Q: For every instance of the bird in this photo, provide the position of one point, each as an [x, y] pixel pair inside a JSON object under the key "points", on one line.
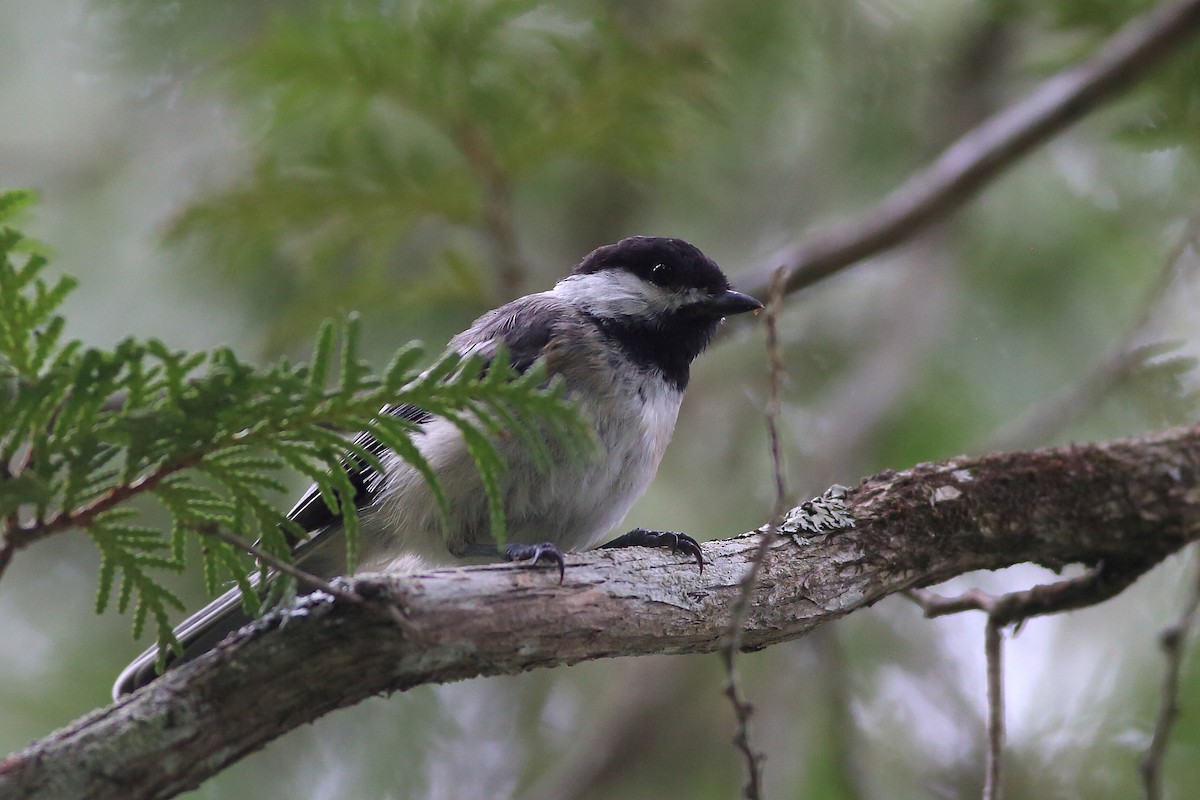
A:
{"points": [[620, 331]]}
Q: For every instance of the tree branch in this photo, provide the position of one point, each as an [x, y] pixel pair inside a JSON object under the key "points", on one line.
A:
{"points": [[976, 158], [1127, 504]]}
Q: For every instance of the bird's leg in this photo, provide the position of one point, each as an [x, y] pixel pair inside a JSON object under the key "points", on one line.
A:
{"points": [[678, 542], [536, 554], [514, 551]]}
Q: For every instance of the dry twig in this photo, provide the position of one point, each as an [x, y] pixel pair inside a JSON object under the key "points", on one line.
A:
{"points": [[306, 580], [993, 649], [1173, 641], [1014, 608], [733, 638]]}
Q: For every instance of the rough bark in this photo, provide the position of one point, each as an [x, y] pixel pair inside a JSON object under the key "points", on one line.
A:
{"points": [[1125, 505]]}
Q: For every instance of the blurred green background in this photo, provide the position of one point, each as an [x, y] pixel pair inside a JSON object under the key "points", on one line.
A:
{"points": [[234, 171]]}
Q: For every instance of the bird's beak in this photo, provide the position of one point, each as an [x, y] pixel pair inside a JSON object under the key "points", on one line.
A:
{"points": [[732, 302]]}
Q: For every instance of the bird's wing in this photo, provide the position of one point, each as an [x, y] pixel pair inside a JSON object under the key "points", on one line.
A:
{"points": [[523, 343], [312, 514], [202, 630]]}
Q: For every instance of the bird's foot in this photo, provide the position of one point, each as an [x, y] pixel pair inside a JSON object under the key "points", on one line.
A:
{"points": [[678, 542], [536, 554]]}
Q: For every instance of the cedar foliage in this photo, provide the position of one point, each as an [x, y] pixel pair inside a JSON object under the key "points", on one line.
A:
{"points": [[86, 433]]}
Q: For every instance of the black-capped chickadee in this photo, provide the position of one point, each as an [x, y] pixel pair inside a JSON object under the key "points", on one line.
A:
{"points": [[621, 331]]}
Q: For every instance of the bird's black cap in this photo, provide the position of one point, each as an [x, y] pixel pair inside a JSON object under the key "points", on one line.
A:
{"points": [[672, 263]]}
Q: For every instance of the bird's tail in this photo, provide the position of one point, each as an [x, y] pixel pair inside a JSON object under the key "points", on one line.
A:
{"points": [[197, 634]]}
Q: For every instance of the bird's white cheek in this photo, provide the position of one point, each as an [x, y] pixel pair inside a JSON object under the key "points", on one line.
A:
{"points": [[608, 293]]}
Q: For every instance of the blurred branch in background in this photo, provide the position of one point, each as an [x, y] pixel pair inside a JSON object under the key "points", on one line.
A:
{"points": [[831, 680], [924, 276], [621, 735], [1126, 504], [971, 162], [1137, 351], [496, 213], [844, 419]]}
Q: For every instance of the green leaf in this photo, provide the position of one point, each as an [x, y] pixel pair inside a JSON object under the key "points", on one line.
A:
{"points": [[395, 435], [14, 201], [322, 356], [399, 371], [490, 467], [87, 432]]}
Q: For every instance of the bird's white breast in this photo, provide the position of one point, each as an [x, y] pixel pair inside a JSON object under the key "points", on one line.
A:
{"points": [[635, 442], [576, 502]]}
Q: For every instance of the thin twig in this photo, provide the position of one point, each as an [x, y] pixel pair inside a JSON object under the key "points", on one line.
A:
{"points": [[936, 605], [305, 579], [1093, 586], [12, 537], [1173, 641], [1013, 609], [775, 396], [22, 536], [733, 639], [974, 600], [993, 648], [970, 163]]}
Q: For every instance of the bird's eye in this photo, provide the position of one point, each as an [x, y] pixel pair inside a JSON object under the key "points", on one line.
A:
{"points": [[661, 274]]}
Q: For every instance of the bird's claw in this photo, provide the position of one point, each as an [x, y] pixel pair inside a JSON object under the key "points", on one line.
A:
{"points": [[678, 542], [536, 554]]}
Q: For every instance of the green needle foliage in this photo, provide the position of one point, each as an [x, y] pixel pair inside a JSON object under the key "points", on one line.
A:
{"points": [[84, 433], [375, 121]]}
